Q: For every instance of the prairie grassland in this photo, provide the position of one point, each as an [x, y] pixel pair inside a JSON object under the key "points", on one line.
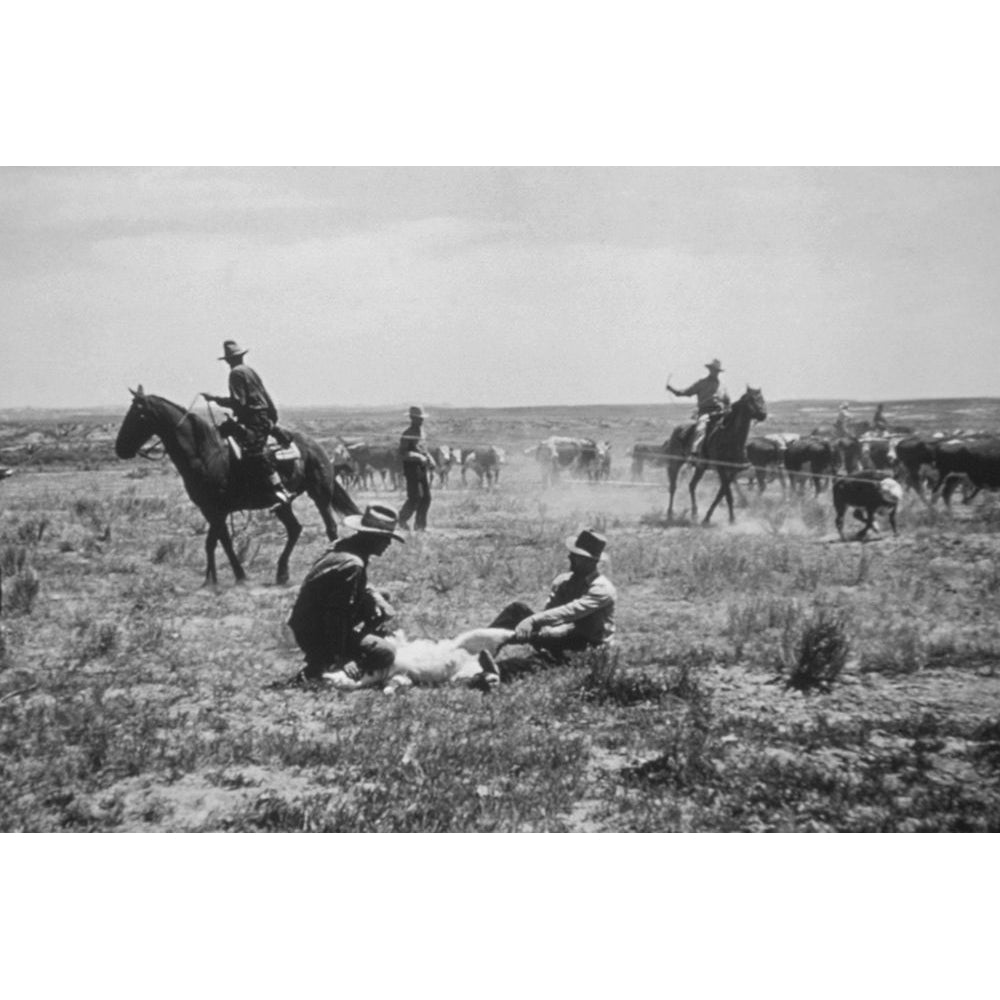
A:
{"points": [[767, 676]]}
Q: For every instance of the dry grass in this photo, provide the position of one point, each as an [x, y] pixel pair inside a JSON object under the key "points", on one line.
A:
{"points": [[766, 676]]}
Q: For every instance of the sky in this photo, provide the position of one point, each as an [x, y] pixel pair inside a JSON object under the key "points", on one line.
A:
{"points": [[498, 286]]}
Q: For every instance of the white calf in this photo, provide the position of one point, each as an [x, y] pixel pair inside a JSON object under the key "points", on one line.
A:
{"points": [[430, 662]]}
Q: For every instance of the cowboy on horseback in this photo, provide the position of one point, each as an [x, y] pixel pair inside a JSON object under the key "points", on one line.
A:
{"points": [[255, 413], [713, 402]]}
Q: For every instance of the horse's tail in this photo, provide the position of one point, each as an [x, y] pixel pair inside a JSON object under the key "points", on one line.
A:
{"points": [[320, 481], [342, 501]]}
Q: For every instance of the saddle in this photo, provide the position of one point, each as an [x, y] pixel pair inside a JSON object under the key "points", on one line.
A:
{"points": [[283, 454]]}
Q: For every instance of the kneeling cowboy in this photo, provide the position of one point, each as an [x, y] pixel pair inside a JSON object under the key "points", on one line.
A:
{"points": [[713, 401], [256, 414]]}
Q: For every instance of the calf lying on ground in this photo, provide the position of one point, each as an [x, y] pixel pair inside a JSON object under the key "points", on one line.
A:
{"points": [[434, 662], [868, 493]]}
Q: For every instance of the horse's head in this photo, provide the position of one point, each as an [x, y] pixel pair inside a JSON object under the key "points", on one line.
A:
{"points": [[753, 400], [138, 427]]}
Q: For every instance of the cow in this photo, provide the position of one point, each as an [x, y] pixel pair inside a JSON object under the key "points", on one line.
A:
{"points": [[444, 458], [345, 468], [915, 456], [485, 462], [556, 455], [868, 492], [878, 452], [976, 458], [809, 458], [766, 455], [434, 663], [371, 458], [643, 453]]}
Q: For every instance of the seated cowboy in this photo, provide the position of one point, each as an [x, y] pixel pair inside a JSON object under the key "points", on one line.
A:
{"points": [[339, 621], [255, 412], [580, 611], [713, 402]]}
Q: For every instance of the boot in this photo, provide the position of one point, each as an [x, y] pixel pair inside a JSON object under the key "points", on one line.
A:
{"points": [[281, 495]]}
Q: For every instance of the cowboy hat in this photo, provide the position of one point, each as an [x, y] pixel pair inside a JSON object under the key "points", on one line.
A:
{"points": [[417, 411], [715, 365], [588, 544], [377, 520], [230, 349]]}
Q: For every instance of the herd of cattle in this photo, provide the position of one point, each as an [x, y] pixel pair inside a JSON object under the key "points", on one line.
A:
{"points": [[372, 466], [869, 472], [935, 463]]}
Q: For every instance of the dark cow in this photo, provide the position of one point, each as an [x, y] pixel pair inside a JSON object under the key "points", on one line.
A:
{"points": [[868, 492], [370, 459], [485, 462], [644, 454], [807, 459], [848, 454], [978, 459], [915, 457], [766, 456]]}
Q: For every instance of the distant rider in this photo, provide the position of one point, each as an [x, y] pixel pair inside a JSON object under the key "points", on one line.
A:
{"points": [[879, 424], [713, 401], [255, 412], [840, 425]]}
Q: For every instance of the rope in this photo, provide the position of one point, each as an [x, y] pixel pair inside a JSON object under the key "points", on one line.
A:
{"points": [[746, 466], [187, 412]]}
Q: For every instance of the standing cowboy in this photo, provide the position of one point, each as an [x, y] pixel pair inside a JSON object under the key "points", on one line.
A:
{"points": [[713, 401], [417, 468], [256, 414]]}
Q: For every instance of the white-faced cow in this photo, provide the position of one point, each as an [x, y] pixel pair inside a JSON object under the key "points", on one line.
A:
{"points": [[868, 492], [445, 458], [484, 462], [581, 458]]}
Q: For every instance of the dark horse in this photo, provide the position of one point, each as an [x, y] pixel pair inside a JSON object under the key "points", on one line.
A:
{"points": [[214, 483], [724, 450]]}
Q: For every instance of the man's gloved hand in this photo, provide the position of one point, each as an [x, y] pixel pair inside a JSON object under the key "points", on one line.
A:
{"points": [[352, 670]]}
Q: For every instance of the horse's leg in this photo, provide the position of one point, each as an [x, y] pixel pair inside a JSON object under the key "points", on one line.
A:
{"points": [[287, 517], [211, 540], [673, 467], [221, 530], [724, 491], [699, 471]]}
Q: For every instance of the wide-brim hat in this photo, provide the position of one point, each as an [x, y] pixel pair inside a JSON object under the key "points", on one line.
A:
{"points": [[230, 349], [378, 519], [588, 544], [715, 365], [417, 411]]}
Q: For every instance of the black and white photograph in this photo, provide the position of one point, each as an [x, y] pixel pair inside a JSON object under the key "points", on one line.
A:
{"points": [[554, 454], [501, 499]]}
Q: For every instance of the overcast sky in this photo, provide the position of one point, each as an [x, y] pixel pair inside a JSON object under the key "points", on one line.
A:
{"points": [[498, 286]]}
